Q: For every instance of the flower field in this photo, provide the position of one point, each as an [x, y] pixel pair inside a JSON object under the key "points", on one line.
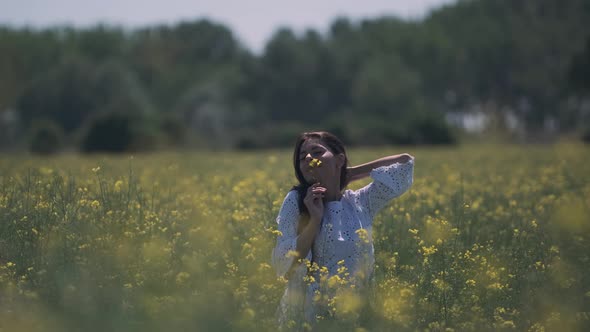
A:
{"points": [[488, 238]]}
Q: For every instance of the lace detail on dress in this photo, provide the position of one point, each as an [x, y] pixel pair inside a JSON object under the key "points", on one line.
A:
{"points": [[389, 182]]}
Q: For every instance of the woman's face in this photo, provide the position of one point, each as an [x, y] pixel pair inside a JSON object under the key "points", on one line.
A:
{"points": [[328, 170]]}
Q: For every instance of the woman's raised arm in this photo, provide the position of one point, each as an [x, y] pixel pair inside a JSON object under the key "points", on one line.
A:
{"points": [[364, 170]]}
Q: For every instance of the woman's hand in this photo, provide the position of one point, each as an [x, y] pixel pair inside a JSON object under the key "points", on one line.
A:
{"points": [[404, 158], [314, 201]]}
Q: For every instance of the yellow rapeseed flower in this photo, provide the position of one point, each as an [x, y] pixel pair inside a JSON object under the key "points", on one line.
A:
{"points": [[363, 235], [315, 163], [182, 277], [95, 204], [118, 186], [426, 251]]}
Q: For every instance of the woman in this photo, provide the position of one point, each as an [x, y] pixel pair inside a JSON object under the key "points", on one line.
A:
{"points": [[328, 227]]}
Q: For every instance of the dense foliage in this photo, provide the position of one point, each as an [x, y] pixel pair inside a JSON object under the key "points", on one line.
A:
{"points": [[383, 79], [488, 238]]}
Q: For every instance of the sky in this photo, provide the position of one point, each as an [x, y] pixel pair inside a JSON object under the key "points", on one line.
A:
{"points": [[253, 22]]}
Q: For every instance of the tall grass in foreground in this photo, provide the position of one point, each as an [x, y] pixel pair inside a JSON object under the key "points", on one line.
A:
{"points": [[488, 238]]}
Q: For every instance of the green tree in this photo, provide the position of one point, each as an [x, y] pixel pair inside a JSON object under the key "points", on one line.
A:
{"points": [[64, 94], [25, 54], [46, 137], [579, 71], [77, 90], [169, 60], [292, 77]]}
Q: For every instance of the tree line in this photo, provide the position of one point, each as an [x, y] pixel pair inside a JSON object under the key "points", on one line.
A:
{"points": [[383, 80]]}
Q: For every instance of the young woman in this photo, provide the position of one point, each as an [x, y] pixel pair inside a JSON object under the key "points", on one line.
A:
{"points": [[329, 227]]}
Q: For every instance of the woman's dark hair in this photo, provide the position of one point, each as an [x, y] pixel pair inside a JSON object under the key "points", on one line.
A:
{"points": [[331, 142]]}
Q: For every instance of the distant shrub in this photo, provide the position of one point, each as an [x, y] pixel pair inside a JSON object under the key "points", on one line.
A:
{"points": [[586, 136], [46, 137], [277, 136], [431, 130], [420, 129], [285, 134], [247, 143], [174, 130], [417, 129], [111, 132]]}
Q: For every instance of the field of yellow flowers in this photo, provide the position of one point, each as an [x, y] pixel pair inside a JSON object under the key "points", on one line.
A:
{"points": [[488, 238]]}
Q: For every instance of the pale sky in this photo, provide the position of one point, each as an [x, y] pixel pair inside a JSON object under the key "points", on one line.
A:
{"points": [[253, 22]]}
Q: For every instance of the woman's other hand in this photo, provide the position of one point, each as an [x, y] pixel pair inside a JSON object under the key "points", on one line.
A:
{"points": [[314, 201]]}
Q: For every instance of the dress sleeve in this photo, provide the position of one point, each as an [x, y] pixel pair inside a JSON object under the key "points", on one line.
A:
{"points": [[388, 183], [287, 220]]}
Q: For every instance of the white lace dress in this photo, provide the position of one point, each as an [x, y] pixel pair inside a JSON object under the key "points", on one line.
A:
{"points": [[344, 239]]}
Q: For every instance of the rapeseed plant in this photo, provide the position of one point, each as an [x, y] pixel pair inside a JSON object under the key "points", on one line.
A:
{"points": [[484, 240]]}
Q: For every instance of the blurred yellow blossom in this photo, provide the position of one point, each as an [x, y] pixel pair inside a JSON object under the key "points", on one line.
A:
{"points": [[314, 163], [118, 186]]}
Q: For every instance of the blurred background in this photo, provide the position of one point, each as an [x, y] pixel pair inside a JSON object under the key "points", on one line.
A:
{"points": [[118, 76]]}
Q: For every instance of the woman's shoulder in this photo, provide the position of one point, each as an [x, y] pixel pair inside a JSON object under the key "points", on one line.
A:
{"points": [[350, 195], [292, 194], [290, 206], [291, 198]]}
